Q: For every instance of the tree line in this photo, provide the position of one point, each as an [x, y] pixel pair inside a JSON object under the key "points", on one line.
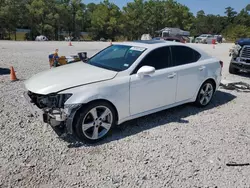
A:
{"points": [[107, 20]]}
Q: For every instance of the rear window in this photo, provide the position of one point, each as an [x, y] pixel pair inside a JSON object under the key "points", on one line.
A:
{"points": [[184, 55]]}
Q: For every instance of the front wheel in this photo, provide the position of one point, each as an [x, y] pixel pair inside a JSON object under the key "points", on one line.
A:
{"points": [[95, 121], [205, 94]]}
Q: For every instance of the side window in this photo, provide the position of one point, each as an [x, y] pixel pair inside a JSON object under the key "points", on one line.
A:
{"points": [[183, 55], [197, 55], [159, 59]]}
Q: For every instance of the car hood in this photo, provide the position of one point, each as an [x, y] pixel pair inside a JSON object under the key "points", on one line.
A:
{"points": [[67, 76]]}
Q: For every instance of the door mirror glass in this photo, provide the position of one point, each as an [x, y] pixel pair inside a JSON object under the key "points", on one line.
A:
{"points": [[145, 70]]}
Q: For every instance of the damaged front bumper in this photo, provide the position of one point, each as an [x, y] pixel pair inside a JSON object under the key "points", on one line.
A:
{"points": [[241, 64], [35, 111], [54, 117]]}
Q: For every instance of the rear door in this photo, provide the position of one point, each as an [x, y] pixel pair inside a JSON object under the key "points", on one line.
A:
{"points": [[190, 71]]}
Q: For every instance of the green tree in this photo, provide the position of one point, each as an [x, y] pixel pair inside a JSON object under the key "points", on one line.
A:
{"points": [[231, 14], [234, 32], [134, 17], [248, 7], [10, 16], [52, 17], [105, 20]]}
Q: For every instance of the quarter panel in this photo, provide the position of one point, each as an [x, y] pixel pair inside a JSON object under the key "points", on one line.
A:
{"points": [[190, 78], [212, 72]]}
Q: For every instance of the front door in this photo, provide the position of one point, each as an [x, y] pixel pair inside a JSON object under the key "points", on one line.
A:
{"points": [[156, 90]]}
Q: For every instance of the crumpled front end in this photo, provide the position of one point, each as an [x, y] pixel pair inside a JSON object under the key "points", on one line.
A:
{"points": [[240, 57], [234, 51], [51, 109]]}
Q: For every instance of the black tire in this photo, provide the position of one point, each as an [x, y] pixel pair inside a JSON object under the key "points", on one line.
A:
{"points": [[233, 70], [83, 115], [198, 102]]}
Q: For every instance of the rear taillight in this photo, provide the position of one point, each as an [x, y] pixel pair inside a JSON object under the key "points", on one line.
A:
{"points": [[221, 64]]}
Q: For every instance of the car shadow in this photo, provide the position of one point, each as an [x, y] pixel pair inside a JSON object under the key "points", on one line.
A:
{"points": [[176, 114], [4, 71]]}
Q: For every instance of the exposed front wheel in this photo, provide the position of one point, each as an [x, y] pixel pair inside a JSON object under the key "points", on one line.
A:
{"points": [[205, 94], [95, 121]]}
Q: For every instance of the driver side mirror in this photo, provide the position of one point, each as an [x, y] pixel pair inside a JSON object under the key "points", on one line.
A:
{"points": [[145, 71]]}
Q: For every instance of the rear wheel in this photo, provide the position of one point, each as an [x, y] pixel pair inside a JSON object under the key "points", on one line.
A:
{"points": [[232, 69], [205, 94], [95, 121]]}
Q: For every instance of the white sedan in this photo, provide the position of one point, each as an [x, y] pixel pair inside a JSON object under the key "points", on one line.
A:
{"points": [[122, 82]]}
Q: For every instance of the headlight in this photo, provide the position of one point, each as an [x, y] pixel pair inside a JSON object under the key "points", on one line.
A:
{"points": [[66, 96], [54, 100], [63, 98]]}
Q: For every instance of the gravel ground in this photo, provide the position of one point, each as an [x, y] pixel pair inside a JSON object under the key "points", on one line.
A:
{"points": [[180, 147]]}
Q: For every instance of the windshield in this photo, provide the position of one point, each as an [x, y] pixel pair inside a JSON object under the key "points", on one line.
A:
{"points": [[116, 57]]}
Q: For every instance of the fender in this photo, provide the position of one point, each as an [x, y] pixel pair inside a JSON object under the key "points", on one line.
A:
{"points": [[103, 90]]}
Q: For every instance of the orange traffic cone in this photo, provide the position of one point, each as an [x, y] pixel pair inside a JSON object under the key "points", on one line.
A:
{"points": [[70, 44], [12, 74]]}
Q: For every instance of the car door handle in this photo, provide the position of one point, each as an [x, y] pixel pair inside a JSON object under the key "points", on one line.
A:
{"points": [[202, 68], [172, 75]]}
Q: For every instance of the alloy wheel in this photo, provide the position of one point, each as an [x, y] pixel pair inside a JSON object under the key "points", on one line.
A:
{"points": [[206, 94], [97, 122]]}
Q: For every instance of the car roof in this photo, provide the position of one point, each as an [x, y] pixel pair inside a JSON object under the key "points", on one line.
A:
{"points": [[150, 43]]}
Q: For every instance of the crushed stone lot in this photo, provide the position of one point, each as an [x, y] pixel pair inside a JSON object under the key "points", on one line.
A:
{"points": [[180, 147]]}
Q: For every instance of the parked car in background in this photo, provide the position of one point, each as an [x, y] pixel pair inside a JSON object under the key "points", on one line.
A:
{"points": [[68, 38], [240, 54], [122, 82], [204, 38], [176, 39], [41, 38], [103, 39]]}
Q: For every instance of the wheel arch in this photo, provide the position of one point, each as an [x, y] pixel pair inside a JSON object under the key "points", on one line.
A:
{"points": [[90, 102], [208, 79], [213, 82]]}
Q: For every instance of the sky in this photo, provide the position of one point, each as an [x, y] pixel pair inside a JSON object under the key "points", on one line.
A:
{"points": [[209, 6]]}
